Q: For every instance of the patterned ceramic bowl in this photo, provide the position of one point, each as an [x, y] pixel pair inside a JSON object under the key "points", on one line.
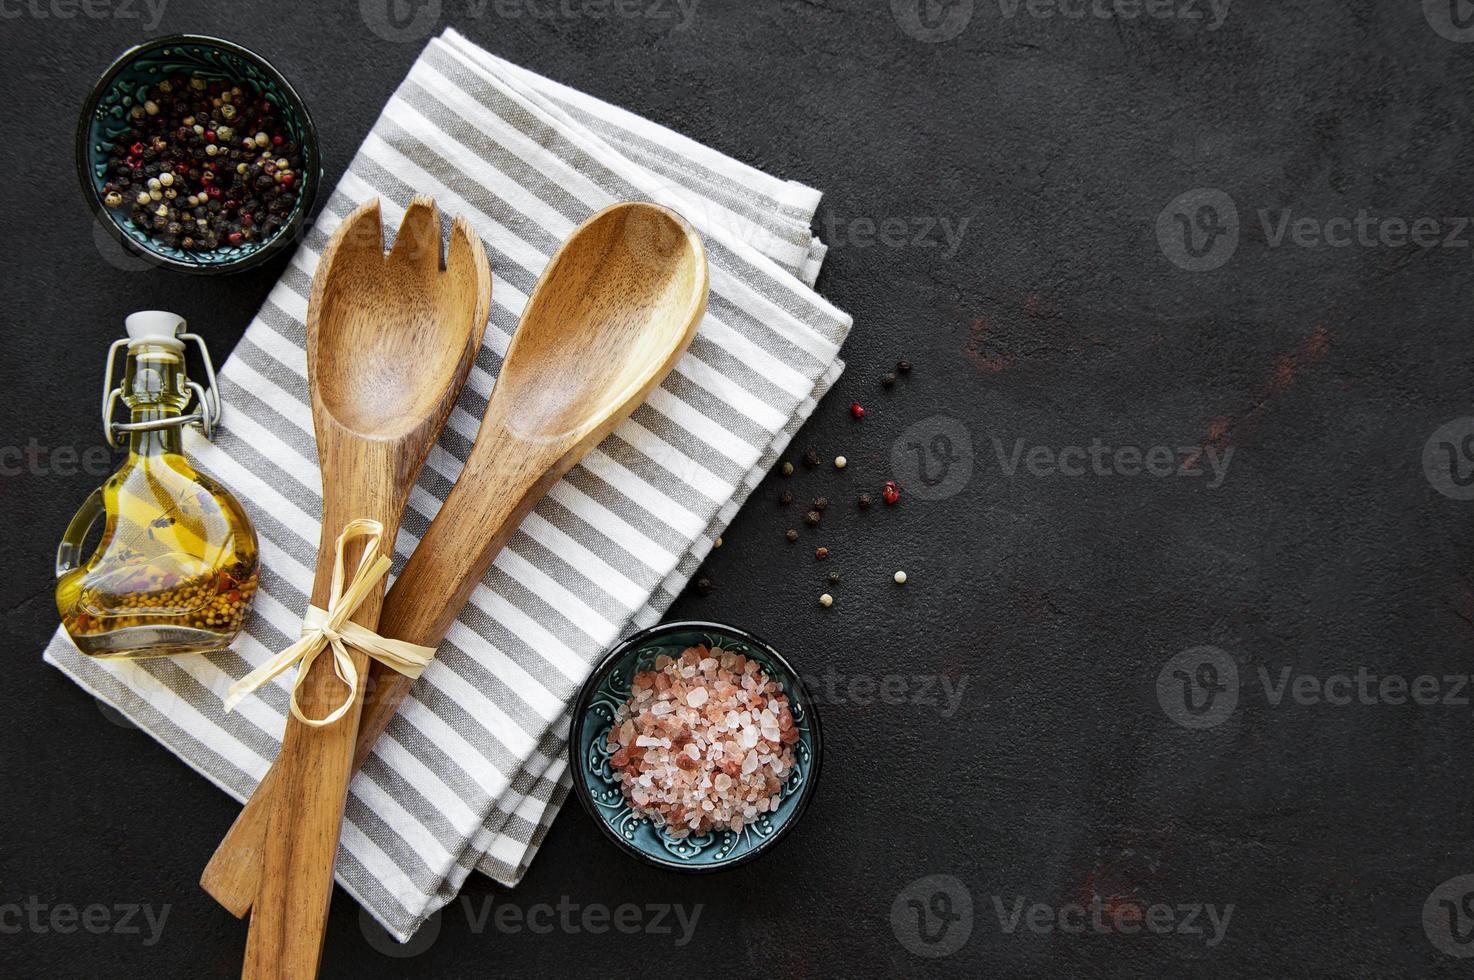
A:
{"points": [[124, 84], [597, 785]]}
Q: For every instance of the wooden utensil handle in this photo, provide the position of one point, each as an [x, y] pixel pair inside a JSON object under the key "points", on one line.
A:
{"points": [[300, 849], [457, 550], [300, 844], [459, 546], [233, 875]]}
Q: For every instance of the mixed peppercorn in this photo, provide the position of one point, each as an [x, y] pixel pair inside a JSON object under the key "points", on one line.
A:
{"points": [[205, 165], [143, 595], [890, 492]]}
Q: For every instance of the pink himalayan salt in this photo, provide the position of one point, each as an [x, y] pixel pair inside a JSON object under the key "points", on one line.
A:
{"points": [[702, 742]]}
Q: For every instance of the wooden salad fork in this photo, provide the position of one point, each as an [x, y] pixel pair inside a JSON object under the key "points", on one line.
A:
{"points": [[390, 342]]}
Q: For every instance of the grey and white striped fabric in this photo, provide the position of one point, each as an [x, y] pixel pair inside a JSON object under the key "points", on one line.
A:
{"points": [[473, 770]]}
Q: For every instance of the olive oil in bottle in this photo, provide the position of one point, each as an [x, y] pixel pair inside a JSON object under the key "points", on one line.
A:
{"points": [[176, 567]]}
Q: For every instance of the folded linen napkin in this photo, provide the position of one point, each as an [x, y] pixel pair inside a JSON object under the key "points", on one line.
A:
{"points": [[473, 770]]}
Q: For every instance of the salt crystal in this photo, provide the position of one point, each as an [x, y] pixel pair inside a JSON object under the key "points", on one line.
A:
{"points": [[709, 750]]}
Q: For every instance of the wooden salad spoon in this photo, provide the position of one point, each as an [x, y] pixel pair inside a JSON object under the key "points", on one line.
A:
{"points": [[613, 312], [390, 342]]}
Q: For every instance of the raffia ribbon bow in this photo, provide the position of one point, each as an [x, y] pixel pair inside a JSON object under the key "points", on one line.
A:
{"points": [[330, 627]]}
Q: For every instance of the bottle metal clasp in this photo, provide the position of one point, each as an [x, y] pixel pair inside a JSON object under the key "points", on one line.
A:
{"points": [[205, 404]]}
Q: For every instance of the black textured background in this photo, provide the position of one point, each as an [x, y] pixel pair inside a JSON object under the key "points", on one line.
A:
{"points": [[1054, 600]]}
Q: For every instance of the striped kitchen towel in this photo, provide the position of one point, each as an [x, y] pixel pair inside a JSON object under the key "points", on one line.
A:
{"points": [[473, 770]]}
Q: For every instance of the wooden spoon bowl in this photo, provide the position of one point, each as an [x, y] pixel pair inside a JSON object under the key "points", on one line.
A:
{"points": [[631, 273], [604, 326]]}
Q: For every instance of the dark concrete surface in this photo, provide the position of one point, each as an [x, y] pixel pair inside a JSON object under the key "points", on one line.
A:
{"points": [[1053, 603]]}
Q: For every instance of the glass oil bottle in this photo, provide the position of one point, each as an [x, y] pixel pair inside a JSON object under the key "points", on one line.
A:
{"points": [[176, 567]]}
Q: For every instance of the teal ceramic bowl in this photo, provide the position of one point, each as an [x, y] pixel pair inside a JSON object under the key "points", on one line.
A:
{"points": [[125, 84], [597, 785]]}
